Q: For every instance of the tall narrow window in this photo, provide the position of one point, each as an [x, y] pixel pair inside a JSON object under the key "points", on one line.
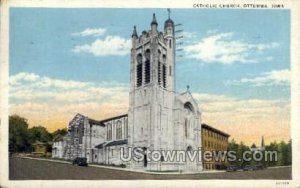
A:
{"points": [[159, 72], [170, 43], [147, 67], [147, 72], [119, 130], [170, 70], [185, 128], [109, 132], [164, 76], [126, 128], [159, 55], [139, 70]]}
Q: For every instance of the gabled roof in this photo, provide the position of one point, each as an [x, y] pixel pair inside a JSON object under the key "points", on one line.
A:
{"points": [[99, 146], [112, 118], [112, 143], [96, 122], [58, 137], [117, 142]]}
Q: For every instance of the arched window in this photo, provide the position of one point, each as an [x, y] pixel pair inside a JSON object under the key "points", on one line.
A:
{"points": [[159, 55], [164, 58], [139, 58], [76, 131], [119, 130], [147, 67], [164, 73], [147, 72], [109, 132], [189, 107], [159, 72], [147, 54], [139, 70]]}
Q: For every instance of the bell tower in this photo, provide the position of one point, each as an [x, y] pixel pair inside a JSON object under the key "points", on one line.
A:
{"points": [[152, 90]]}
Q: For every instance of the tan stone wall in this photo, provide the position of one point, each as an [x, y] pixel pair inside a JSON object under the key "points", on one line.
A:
{"points": [[213, 141]]}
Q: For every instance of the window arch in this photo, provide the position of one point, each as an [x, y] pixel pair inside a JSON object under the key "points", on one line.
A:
{"points": [[147, 54], [159, 54], [139, 58], [164, 58], [188, 106]]}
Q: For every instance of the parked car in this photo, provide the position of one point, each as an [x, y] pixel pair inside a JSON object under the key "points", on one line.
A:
{"points": [[247, 168], [232, 168], [80, 161], [254, 167], [258, 167]]}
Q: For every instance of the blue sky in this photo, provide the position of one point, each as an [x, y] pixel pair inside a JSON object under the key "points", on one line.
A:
{"points": [[234, 56], [46, 36]]}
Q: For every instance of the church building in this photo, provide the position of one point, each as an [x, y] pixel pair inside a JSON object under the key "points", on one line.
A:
{"points": [[158, 118]]}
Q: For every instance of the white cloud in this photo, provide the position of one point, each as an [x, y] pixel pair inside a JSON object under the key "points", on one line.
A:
{"points": [[60, 91], [111, 45], [275, 77], [91, 32], [222, 48], [30, 79], [23, 76], [52, 102]]}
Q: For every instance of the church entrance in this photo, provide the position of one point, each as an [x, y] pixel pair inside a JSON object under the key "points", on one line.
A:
{"points": [[145, 156], [145, 160]]}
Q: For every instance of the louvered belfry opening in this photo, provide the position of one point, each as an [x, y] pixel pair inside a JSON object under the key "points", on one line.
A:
{"points": [[164, 76], [159, 72], [139, 70], [147, 67]]}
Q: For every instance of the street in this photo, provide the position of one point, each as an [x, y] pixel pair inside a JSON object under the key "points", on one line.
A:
{"points": [[32, 169]]}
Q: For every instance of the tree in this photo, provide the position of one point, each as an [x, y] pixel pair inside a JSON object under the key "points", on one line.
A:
{"points": [[61, 132], [283, 150], [241, 150], [39, 133], [233, 147], [273, 146], [18, 138], [289, 153]]}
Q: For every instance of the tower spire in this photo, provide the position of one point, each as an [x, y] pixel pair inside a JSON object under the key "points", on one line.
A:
{"points": [[154, 20], [262, 142], [134, 33], [169, 12]]}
